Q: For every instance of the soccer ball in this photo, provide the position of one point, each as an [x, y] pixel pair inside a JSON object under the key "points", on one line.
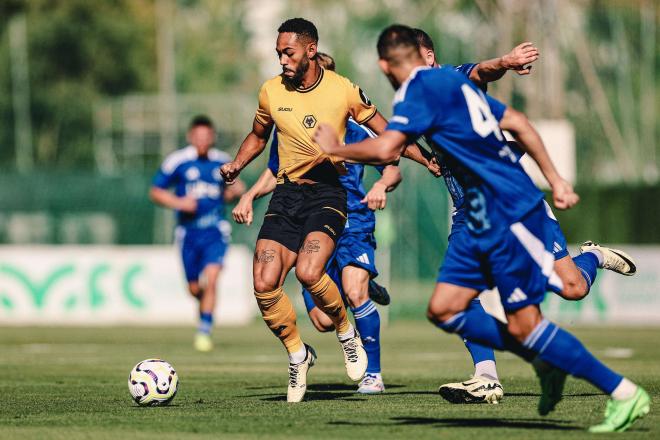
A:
{"points": [[153, 382]]}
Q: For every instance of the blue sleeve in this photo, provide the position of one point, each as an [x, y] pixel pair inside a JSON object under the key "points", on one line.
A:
{"points": [[412, 115], [496, 107], [273, 157], [163, 180], [466, 69]]}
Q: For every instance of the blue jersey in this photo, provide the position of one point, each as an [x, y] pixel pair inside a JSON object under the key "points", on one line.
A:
{"points": [[197, 177], [462, 124], [360, 217]]}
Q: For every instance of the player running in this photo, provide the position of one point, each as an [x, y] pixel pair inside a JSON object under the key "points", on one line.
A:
{"points": [[577, 273], [307, 213], [507, 242], [352, 266], [199, 201]]}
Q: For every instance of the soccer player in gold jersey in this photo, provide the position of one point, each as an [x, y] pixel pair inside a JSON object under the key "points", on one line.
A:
{"points": [[307, 212]]}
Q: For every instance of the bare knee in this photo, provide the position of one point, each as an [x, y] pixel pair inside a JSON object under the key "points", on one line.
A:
{"points": [[264, 282], [575, 289], [356, 296], [308, 275], [194, 289], [521, 324], [441, 308]]}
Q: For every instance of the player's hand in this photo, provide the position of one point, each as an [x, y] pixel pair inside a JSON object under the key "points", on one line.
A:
{"points": [[563, 195], [230, 172], [520, 58], [243, 213], [187, 204], [376, 198], [434, 167], [326, 137]]}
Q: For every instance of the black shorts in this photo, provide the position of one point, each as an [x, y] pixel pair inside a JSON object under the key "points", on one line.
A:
{"points": [[296, 210]]}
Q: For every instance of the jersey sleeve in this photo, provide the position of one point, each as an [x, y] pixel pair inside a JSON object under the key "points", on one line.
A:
{"points": [[497, 108], [263, 115], [411, 114], [164, 179], [273, 156], [359, 105]]}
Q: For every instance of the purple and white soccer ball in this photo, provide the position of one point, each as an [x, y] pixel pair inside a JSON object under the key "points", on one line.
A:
{"points": [[153, 382]]}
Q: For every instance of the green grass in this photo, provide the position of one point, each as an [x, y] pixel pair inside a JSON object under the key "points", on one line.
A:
{"points": [[70, 383]]}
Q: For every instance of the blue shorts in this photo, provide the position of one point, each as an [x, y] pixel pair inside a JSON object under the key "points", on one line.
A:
{"points": [[201, 247], [517, 259], [559, 246], [353, 249]]}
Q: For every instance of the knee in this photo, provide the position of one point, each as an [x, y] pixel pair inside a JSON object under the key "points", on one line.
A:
{"points": [[356, 297], [308, 275], [520, 329], [264, 284], [195, 290], [441, 309], [575, 290]]}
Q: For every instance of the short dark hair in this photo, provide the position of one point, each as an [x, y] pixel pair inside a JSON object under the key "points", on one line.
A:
{"points": [[394, 37], [424, 39], [300, 27], [325, 60], [201, 120]]}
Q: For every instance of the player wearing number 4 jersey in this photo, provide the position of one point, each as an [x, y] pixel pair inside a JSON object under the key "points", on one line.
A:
{"points": [[507, 234], [577, 273]]}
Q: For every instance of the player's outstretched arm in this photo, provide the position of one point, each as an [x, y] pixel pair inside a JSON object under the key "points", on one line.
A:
{"points": [[529, 140], [384, 149], [376, 198], [420, 155], [243, 212], [252, 146], [519, 59], [167, 199]]}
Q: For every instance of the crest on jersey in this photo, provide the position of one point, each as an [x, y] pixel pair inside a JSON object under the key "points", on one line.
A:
{"points": [[364, 97], [309, 121], [192, 173]]}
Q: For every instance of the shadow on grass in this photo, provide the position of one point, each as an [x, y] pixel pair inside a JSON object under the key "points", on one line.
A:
{"points": [[458, 422], [564, 395], [318, 395], [325, 387]]}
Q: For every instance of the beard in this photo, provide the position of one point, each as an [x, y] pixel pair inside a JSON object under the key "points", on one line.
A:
{"points": [[296, 80]]}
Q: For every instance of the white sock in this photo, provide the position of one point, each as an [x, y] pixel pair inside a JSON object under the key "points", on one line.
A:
{"points": [[598, 255], [298, 356], [625, 390], [486, 368], [350, 333]]}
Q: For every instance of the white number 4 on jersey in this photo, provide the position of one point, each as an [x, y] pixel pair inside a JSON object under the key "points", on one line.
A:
{"points": [[483, 121]]}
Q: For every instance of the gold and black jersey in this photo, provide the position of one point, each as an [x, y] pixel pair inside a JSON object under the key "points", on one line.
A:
{"points": [[297, 113]]}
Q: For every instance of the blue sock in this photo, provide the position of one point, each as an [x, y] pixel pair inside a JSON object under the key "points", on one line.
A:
{"points": [[479, 352], [205, 323], [563, 350], [367, 321], [587, 263], [478, 326]]}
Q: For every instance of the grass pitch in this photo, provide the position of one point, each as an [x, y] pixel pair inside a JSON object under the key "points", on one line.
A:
{"points": [[70, 383]]}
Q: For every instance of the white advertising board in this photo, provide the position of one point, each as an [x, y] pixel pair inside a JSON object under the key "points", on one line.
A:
{"points": [[105, 285]]}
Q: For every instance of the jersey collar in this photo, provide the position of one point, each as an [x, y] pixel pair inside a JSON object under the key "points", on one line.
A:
{"points": [[313, 86]]}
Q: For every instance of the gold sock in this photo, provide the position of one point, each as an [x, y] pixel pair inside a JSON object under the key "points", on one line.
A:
{"points": [[279, 316], [327, 297]]}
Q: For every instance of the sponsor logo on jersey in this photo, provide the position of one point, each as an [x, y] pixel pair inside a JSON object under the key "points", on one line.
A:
{"points": [[203, 190], [284, 109], [332, 231], [192, 173]]}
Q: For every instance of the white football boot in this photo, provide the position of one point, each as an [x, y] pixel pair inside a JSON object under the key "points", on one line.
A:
{"points": [[355, 358], [613, 259], [371, 384], [298, 376], [478, 389]]}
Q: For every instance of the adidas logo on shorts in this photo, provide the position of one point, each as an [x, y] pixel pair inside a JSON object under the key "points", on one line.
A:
{"points": [[364, 258], [517, 296]]}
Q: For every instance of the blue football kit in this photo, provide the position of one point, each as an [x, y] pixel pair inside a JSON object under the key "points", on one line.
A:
{"points": [[202, 236], [506, 239], [501, 204]]}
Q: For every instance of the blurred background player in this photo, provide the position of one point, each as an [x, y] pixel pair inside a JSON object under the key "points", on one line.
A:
{"points": [[352, 265], [577, 274], [507, 243], [202, 233]]}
